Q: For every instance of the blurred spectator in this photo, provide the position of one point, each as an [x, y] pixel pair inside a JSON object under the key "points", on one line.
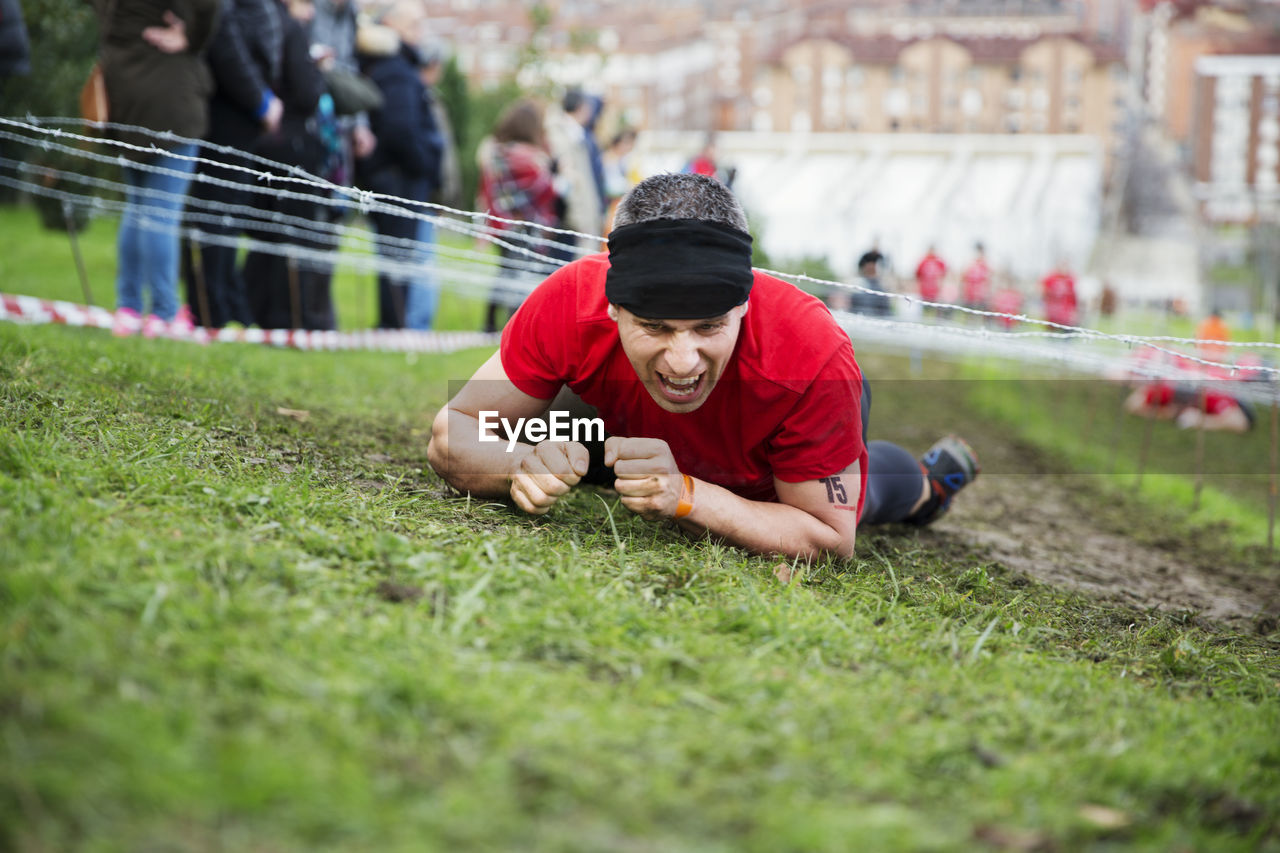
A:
{"points": [[593, 152], [333, 45], [15, 49], [345, 134], [1059, 292], [704, 162], [449, 193], [1213, 330], [245, 56], [1108, 301], [1008, 301], [977, 280], [156, 79], [617, 170], [929, 275], [516, 183], [568, 139], [406, 161], [424, 294], [877, 303], [286, 292]]}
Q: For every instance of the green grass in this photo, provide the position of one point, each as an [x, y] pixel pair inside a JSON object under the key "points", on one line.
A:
{"points": [[39, 262], [1079, 422], [222, 627]]}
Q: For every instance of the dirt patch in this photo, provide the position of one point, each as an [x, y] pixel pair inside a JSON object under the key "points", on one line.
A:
{"points": [[1036, 525]]}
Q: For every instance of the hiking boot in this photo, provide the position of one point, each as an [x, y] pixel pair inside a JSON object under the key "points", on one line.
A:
{"points": [[128, 322], [949, 466]]}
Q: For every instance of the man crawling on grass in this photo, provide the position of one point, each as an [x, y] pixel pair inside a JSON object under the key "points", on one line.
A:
{"points": [[732, 400]]}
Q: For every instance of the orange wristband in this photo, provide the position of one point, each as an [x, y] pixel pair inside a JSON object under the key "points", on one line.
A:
{"points": [[685, 506]]}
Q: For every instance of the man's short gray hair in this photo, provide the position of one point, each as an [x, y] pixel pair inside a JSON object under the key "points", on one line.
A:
{"points": [[681, 196]]}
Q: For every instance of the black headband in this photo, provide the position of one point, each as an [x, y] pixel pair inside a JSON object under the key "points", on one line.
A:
{"points": [[678, 269]]}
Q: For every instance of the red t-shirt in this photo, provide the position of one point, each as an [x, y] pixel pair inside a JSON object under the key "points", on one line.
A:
{"points": [[787, 405], [1216, 402], [1059, 298], [1008, 302], [976, 279], [1159, 394], [929, 274]]}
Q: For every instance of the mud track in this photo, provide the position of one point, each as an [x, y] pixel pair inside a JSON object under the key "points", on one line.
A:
{"points": [[1055, 529]]}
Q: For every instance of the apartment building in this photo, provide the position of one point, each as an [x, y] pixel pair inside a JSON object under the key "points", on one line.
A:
{"points": [[1037, 83], [942, 66], [1235, 138]]}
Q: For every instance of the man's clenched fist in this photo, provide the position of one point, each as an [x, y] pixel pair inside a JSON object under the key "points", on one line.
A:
{"points": [[547, 472], [649, 481]]}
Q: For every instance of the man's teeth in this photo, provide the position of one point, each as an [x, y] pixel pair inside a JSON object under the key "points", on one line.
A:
{"points": [[682, 383]]}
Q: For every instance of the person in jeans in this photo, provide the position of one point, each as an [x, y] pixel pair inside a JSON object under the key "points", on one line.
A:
{"points": [[424, 291], [156, 78], [406, 161]]}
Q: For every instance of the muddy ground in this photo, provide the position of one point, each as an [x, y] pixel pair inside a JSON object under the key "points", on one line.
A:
{"points": [[1029, 513], [1061, 530]]}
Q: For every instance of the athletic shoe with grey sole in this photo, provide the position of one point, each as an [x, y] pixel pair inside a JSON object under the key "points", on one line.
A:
{"points": [[949, 466]]}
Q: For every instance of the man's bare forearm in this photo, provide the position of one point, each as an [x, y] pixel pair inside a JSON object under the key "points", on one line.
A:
{"points": [[764, 527], [464, 462]]}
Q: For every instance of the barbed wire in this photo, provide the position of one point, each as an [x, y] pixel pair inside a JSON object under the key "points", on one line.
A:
{"points": [[511, 293], [254, 219], [398, 206], [364, 199], [907, 336], [461, 222], [1150, 341], [368, 202]]}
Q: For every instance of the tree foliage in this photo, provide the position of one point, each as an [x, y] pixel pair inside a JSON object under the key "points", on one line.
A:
{"points": [[64, 45]]}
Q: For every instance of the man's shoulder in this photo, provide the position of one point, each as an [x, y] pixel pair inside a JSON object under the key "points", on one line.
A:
{"points": [[785, 307], [791, 335], [579, 284]]}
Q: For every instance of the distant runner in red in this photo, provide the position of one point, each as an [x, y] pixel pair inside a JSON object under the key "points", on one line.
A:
{"points": [[977, 280], [1008, 301], [929, 275], [1059, 289], [704, 162]]}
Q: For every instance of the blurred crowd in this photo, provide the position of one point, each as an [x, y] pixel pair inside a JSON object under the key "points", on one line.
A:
{"points": [[971, 284], [346, 94], [349, 94]]}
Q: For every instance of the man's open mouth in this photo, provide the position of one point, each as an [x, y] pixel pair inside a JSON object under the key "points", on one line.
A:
{"points": [[680, 390]]}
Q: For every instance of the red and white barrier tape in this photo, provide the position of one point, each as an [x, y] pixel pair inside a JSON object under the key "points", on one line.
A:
{"points": [[30, 310]]}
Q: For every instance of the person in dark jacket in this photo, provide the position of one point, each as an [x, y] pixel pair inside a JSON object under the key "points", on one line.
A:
{"points": [[333, 45], [245, 57], [874, 300], [424, 289], [151, 60], [15, 48], [406, 161], [287, 292]]}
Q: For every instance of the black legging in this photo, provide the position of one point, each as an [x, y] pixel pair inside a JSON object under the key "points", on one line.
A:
{"points": [[894, 483], [894, 477]]}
